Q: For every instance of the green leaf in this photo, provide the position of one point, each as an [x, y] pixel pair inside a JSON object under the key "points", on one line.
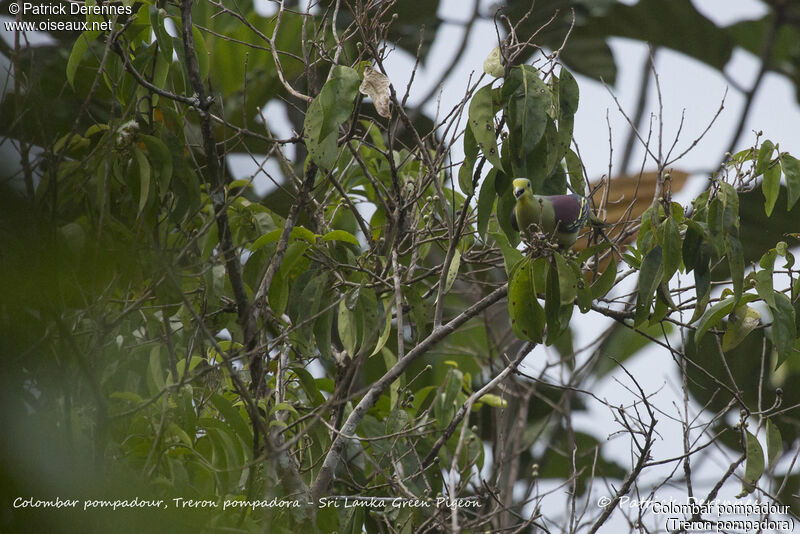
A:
{"points": [[278, 293], [730, 212], [201, 52], [370, 316], [387, 328], [159, 154], [692, 243], [568, 94], [283, 407], [156, 368], [233, 418], [329, 110], [528, 99], [157, 19], [486, 202], [584, 295], [389, 361], [771, 187], [791, 170], [511, 256], [774, 444], [347, 327], [309, 385], [672, 247], [452, 272], [322, 333], [736, 263], [663, 303], [764, 157], [527, 316], [78, 50], [298, 232], [587, 253], [144, 177], [481, 121], [313, 297], [470, 155], [539, 165], [754, 467], [505, 206], [181, 434], [494, 401], [575, 171], [552, 303], [676, 212], [355, 521], [605, 281], [419, 309], [650, 276], [129, 396], [746, 319], [568, 282], [702, 282], [715, 313], [764, 277], [784, 329], [337, 235]]}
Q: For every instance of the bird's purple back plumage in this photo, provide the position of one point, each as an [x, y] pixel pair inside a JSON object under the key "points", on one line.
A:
{"points": [[570, 211]]}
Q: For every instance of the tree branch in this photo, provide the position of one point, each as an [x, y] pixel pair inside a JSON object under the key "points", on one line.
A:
{"points": [[332, 459]]}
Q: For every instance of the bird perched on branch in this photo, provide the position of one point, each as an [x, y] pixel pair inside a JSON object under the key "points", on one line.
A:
{"points": [[561, 216]]}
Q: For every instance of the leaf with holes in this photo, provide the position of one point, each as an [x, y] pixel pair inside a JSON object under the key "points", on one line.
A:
{"points": [[481, 121]]}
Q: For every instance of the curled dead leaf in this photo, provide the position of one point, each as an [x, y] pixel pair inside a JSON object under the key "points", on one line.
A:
{"points": [[376, 86]]}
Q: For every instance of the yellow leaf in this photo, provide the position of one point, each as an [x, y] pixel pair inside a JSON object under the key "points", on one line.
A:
{"points": [[493, 65]]}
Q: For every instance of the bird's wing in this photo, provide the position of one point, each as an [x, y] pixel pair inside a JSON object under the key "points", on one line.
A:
{"points": [[571, 212]]}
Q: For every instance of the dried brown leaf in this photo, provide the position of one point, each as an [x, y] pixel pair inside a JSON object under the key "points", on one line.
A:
{"points": [[376, 86]]}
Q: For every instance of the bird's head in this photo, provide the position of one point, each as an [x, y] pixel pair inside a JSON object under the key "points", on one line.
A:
{"points": [[521, 185]]}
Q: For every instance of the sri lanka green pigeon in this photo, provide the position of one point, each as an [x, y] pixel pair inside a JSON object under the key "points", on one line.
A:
{"points": [[559, 215]]}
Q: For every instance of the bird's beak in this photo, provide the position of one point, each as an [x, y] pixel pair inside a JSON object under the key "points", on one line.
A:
{"points": [[518, 191]]}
